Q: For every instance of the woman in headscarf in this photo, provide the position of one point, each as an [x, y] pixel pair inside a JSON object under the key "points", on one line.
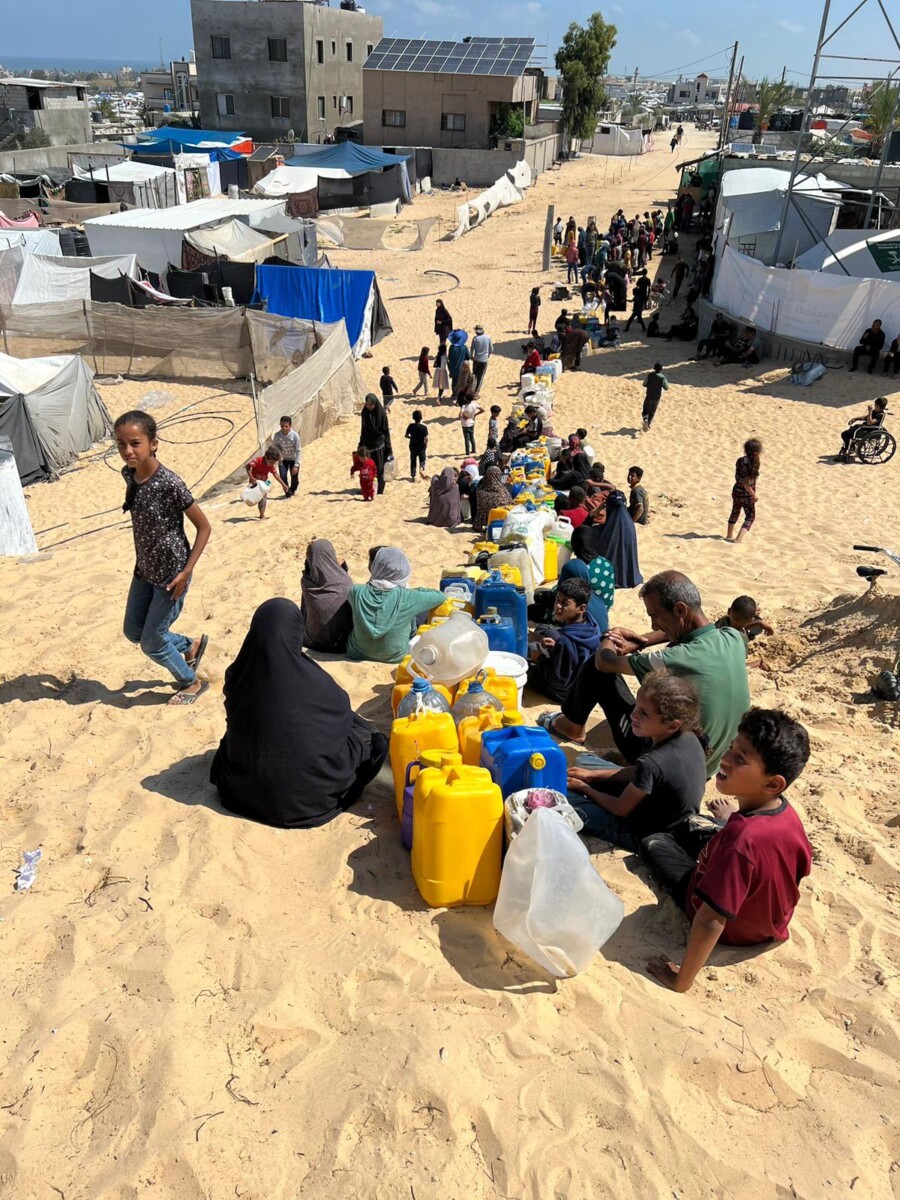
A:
{"points": [[384, 608], [456, 356], [375, 435], [294, 753], [443, 322], [571, 471], [491, 494], [324, 588], [601, 575], [617, 542], [443, 500]]}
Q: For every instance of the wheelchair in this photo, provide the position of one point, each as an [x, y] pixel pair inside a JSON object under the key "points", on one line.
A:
{"points": [[871, 444]]}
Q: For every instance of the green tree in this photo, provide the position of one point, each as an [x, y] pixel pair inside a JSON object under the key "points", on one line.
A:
{"points": [[884, 116], [771, 96], [582, 61], [507, 121]]}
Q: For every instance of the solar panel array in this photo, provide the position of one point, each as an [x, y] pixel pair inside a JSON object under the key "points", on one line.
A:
{"points": [[478, 56]]}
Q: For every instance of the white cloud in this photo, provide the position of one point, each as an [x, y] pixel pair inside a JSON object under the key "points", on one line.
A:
{"points": [[617, 8], [688, 37], [790, 27], [533, 8], [428, 8]]}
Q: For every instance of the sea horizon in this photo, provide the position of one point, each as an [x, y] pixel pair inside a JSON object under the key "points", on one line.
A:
{"points": [[38, 61]]}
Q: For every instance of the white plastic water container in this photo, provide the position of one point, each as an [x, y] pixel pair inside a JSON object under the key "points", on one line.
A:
{"points": [[256, 492], [452, 651]]}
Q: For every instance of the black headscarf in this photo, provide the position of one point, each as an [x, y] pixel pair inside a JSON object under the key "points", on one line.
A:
{"points": [[374, 430], [291, 751], [617, 542], [584, 542]]}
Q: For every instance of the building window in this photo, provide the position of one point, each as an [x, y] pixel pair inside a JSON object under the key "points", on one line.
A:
{"points": [[281, 107], [334, 101], [395, 118], [221, 47], [453, 122], [349, 52], [333, 47], [320, 50], [369, 48], [224, 104], [168, 94], [277, 49], [348, 105], [320, 104]]}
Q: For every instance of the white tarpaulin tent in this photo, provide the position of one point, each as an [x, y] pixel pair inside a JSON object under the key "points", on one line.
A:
{"points": [[847, 253], [750, 206], [614, 140], [63, 405], [812, 306], [284, 181], [45, 280], [32, 241], [499, 195], [153, 186], [155, 234], [232, 240]]}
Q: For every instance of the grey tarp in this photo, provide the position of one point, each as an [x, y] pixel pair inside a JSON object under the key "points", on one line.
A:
{"points": [[17, 426]]}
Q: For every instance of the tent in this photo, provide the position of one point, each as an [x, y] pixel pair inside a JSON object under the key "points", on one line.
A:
{"points": [[51, 413], [168, 139], [614, 140], [32, 241], [357, 176], [327, 296], [232, 240], [750, 206], [155, 235], [863, 254], [44, 279], [134, 183], [16, 533], [348, 157]]}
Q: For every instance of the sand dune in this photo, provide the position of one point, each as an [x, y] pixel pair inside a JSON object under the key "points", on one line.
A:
{"points": [[198, 1007]]}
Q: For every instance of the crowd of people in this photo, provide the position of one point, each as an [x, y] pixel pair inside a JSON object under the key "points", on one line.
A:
{"points": [[294, 752]]}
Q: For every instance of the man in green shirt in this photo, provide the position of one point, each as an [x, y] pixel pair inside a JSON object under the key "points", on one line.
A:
{"points": [[714, 660]]}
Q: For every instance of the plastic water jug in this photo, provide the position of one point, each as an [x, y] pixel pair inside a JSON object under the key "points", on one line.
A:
{"points": [[411, 736], [551, 560], [422, 696], [507, 601], [471, 698], [459, 599], [503, 687], [430, 758], [501, 631], [562, 529], [452, 651], [471, 729], [256, 492], [523, 757], [457, 836], [493, 529], [498, 514]]}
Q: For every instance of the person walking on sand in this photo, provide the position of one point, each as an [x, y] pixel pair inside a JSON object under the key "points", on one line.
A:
{"points": [[158, 501], [482, 349], [534, 308], [443, 322], [441, 376], [654, 386], [743, 494]]}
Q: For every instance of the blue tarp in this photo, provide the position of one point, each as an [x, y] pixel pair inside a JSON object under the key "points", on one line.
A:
{"points": [[317, 295], [346, 156], [169, 139]]}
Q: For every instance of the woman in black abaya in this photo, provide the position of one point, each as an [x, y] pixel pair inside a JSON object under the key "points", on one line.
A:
{"points": [[294, 752]]}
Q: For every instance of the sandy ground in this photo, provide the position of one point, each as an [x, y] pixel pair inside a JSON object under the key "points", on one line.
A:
{"points": [[199, 1007]]}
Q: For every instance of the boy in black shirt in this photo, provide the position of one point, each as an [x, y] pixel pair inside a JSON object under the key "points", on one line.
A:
{"points": [[388, 387], [417, 433]]}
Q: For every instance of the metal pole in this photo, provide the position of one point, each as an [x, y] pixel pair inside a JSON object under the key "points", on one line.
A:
{"points": [[806, 108], [548, 236], [883, 159], [723, 131]]}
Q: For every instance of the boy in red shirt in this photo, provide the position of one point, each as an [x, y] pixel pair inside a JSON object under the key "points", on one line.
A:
{"points": [[744, 887], [259, 469], [368, 472]]}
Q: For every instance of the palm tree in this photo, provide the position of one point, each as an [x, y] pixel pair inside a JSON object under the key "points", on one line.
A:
{"points": [[884, 115], [771, 95]]}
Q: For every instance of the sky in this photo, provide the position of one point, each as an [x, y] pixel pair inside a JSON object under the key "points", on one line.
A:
{"points": [[651, 36]]}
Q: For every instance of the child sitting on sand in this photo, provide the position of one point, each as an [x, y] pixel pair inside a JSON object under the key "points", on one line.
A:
{"points": [[744, 886], [368, 472], [258, 471], [744, 616], [573, 506], [623, 805], [558, 651]]}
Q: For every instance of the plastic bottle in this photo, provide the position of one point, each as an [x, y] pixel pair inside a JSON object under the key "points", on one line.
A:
{"points": [[473, 700], [501, 631], [423, 696], [503, 687], [452, 651]]}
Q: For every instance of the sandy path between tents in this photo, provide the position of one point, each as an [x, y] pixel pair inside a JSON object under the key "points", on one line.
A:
{"points": [[199, 1007]]}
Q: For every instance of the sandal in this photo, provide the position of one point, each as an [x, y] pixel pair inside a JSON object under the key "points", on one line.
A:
{"points": [[547, 720], [194, 662], [184, 697]]}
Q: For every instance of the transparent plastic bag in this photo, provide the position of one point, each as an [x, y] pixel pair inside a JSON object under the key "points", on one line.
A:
{"points": [[552, 903]]}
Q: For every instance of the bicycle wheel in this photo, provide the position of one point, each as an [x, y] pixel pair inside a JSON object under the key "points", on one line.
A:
{"points": [[876, 449]]}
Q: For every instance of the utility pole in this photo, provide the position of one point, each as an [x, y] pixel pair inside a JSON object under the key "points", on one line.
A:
{"points": [[723, 132], [783, 73]]}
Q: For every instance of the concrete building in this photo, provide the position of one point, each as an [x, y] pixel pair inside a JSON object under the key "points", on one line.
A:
{"points": [[270, 66], [699, 92], [172, 89], [447, 94], [57, 110]]}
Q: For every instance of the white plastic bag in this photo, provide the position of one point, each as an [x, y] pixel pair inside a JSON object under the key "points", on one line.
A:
{"points": [[552, 903]]}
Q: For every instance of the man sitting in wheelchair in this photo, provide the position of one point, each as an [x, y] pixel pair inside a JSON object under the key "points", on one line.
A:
{"points": [[859, 426]]}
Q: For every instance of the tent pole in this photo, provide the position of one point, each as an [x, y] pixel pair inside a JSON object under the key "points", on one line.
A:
{"points": [[3, 329], [90, 336]]}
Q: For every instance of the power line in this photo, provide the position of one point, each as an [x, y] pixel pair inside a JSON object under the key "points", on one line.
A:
{"points": [[684, 66]]}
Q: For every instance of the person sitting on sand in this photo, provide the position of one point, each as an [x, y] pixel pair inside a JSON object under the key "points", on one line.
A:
{"points": [[384, 608], [745, 352], [624, 805], [491, 494], [686, 328], [744, 886], [557, 652], [324, 590], [444, 500], [294, 753], [744, 616]]}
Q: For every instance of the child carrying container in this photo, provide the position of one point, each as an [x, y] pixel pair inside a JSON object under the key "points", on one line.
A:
{"points": [[258, 471], [368, 472]]}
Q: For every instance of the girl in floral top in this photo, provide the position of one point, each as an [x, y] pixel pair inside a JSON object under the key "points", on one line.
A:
{"points": [[743, 494], [158, 501]]}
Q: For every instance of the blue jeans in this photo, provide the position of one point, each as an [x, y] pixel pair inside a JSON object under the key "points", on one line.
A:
{"points": [[598, 822], [149, 611]]}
